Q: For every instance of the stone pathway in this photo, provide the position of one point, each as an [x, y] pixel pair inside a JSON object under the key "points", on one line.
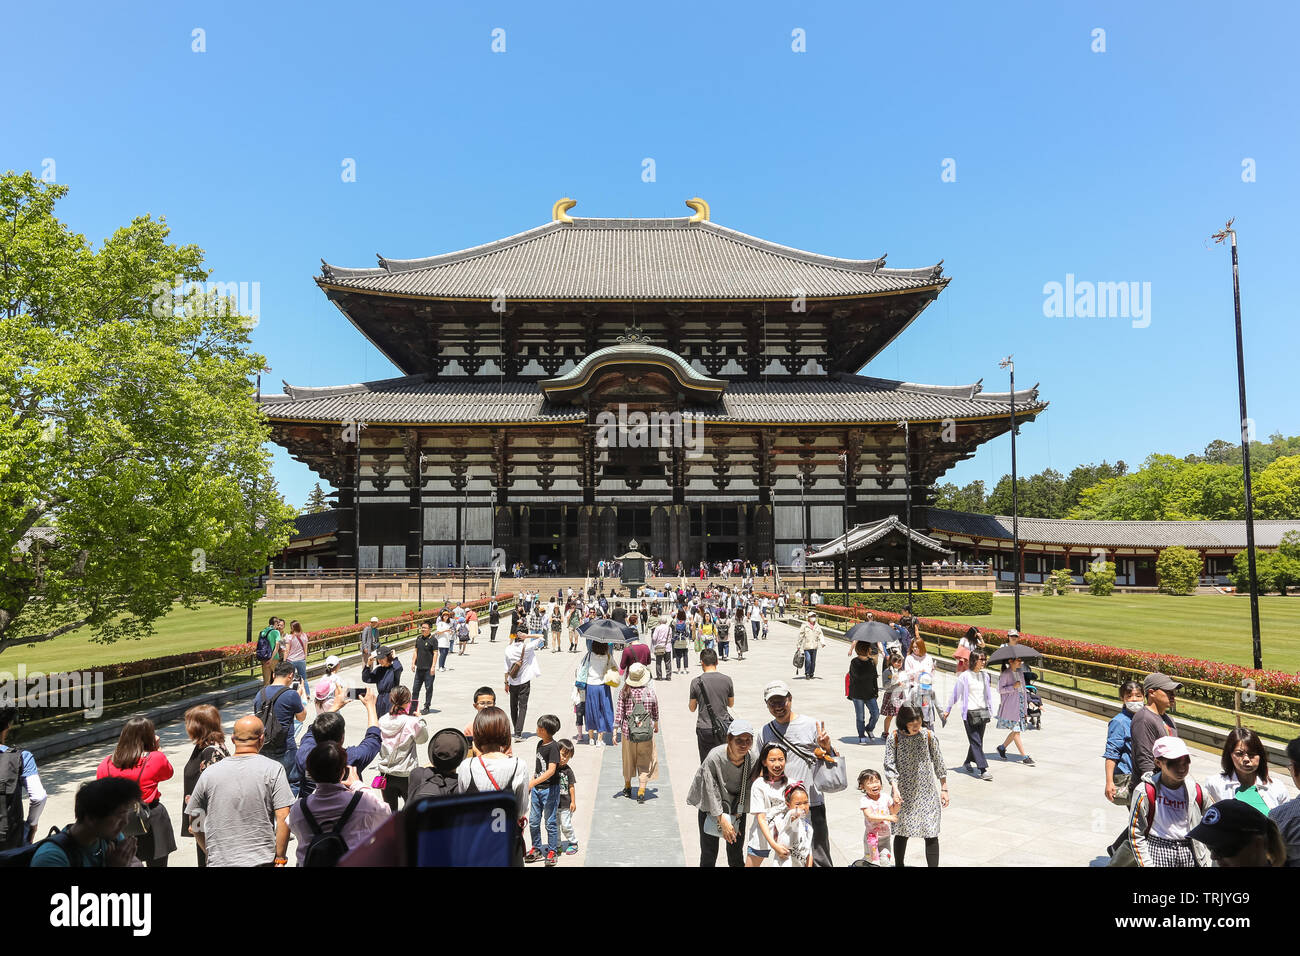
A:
{"points": [[1052, 814]]}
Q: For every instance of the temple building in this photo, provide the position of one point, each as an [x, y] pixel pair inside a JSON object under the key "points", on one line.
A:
{"points": [[593, 381]]}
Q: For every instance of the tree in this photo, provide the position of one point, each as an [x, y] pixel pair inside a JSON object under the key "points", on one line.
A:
{"points": [[969, 498], [1265, 571], [1178, 570], [1100, 578], [131, 433], [316, 501], [1277, 489]]}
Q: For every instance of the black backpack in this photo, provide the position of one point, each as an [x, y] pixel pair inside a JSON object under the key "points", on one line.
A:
{"points": [[327, 847], [263, 651], [277, 736], [22, 856], [427, 782], [12, 824]]}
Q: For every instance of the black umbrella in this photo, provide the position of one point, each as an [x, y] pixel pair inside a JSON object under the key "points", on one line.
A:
{"points": [[871, 632], [605, 631], [1008, 651]]}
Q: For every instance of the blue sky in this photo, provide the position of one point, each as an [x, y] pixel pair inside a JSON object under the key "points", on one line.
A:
{"points": [[1111, 166]]}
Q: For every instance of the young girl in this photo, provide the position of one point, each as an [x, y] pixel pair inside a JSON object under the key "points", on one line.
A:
{"points": [[330, 687], [879, 813], [400, 736], [766, 795], [740, 633], [792, 828], [724, 637], [895, 690]]}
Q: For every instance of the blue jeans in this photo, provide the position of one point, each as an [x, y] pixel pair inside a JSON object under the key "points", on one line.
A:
{"points": [[442, 657], [289, 761], [300, 668], [755, 626], [809, 663], [545, 804], [870, 706]]}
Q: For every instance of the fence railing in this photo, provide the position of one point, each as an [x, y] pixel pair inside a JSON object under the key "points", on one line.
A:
{"points": [[1220, 704], [183, 680]]}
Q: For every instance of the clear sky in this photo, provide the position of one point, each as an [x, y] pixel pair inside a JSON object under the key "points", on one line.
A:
{"points": [[1109, 166]]}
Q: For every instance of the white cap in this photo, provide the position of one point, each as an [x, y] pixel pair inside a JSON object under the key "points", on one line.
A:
{"points": [[374, 620], [332, 661]]}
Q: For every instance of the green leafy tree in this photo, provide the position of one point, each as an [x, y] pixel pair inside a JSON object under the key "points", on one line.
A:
{"points": [[316, 501], [131, 435], [968, 498], [1265, 571], [1100, 578], [1178, 570], [1277, 489]]}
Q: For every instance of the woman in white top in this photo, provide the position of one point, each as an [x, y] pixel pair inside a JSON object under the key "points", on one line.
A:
{"points": [[1245, 774], [445, 631], [494, 769], [975, 692], [918, 670]]}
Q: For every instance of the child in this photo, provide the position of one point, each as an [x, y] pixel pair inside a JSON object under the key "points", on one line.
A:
{"points": [[723, 629], [879, 813], [483, 697], [895, 690], [579, 706], [766, 796], [791, 827], [568, 800], [545, 787], [1167, 806]]}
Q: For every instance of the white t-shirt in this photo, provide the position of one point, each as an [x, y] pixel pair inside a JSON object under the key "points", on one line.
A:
{"points": [[882, 829], [511, 773], [444, 632], [596, 668], [978, 699], [765, 798], [527, 650], [755, 613], [1172, 820]]}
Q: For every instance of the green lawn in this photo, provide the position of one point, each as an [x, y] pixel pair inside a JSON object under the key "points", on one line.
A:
{"points": [[186, 630], [1206, 626]]}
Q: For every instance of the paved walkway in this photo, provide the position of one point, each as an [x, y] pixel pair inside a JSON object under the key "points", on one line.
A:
{"points": [[1052, 814]]}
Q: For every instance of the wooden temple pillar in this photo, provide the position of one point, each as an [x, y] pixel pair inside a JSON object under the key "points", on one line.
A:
{"points": [[415, 492], [347, 501]]}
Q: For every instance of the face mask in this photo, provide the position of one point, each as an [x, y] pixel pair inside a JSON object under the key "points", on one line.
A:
{"points": [[1133, 706]]}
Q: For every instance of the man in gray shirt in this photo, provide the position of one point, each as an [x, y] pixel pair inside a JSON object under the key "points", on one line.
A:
{"points": [[1151, 722], [800, 737], [240, 807]]}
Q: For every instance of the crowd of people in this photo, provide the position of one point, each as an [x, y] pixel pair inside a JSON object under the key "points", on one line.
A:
{"points": [[760, 791]]}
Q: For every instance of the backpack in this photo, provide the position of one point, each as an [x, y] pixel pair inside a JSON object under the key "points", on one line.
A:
{"points": [[12, 824], [1151, 802], [327, 847], [22, 856], [640, 725], [263, 651], [427, 782], [277, 736]]}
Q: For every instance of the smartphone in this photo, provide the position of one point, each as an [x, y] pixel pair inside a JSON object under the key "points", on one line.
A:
{"points": [[355, 693], [469, 830]]}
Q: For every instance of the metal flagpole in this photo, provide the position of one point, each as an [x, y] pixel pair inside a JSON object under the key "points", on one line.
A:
{"points": [[1227, 232], [356, 525], [907, 472], [845, 518], [419, 497], [1015, 500]]}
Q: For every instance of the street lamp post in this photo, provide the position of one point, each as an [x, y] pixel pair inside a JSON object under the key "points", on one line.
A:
{"points": [[907, 485], [248, 628], [419, 574], [356, 530], [845, 519], [803, 510], [1015, 500], [1229, 233]]}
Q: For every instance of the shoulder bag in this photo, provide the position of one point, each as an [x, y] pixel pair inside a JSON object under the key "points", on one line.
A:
{"points": [[711, 822], [829, 774]]}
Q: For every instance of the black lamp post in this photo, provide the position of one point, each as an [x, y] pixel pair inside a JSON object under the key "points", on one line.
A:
{"points": [[906, 426], [356, 530], [1015, 500], [248, 636], [1229, 233], [803, 510], [419, 574], [845, 518]]}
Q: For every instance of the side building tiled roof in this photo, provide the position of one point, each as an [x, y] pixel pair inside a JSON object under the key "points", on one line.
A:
{"points": [[315, 525], [417, 399], [631, 259], [1086, 533]]}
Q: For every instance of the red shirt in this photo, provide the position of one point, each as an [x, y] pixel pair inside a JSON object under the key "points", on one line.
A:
{"points": [[637, 653], [153, 769]]}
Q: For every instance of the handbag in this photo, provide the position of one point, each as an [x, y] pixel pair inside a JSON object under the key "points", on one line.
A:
{"points": [[829, 774], [798, 660], [980, 715], [137, 818]]}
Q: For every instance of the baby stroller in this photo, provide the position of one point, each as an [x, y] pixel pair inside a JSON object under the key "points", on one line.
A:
{"points": [[1033, 702]]}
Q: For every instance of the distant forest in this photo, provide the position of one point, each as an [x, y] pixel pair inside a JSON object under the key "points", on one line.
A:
{"points": [[1165, 487]]}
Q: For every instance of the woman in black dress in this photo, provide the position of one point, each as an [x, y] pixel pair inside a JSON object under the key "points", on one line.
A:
{"points": [[203, 725]]}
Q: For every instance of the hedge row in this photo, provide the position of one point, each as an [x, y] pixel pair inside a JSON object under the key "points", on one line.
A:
{"points": [[924, 603]]}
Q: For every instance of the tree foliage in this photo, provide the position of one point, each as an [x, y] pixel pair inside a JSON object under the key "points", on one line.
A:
{"points": [[131, 435], [1178, 570], [1274, 570], [1100, 578], [316, 501]]}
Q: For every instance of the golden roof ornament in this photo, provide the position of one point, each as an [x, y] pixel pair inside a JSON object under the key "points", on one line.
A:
{"points": [[559, 212], [701, 209]]}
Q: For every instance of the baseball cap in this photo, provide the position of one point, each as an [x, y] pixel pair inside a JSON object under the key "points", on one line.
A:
{"points": [[1159, 681], [332, 661], [1013, 633], [1169, 748], [374, 620], [777, 688], [740, 726], [1228, 826], [384, 651]]}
